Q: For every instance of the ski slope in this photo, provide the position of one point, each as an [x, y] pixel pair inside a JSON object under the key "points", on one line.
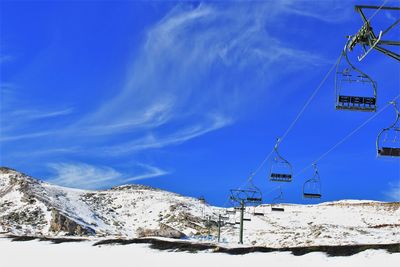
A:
{"points": [[44, 254]]}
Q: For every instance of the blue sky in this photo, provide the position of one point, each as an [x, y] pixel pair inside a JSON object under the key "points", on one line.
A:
{"points": [[188, 96]]}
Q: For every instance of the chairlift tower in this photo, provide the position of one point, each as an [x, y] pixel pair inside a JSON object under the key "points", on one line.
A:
{"points": [[243, 197], [221, 222]]}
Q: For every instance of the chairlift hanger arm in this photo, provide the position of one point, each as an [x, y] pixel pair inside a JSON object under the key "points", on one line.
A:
{"points": [[397, 114], [278, 154], [358, 70]]}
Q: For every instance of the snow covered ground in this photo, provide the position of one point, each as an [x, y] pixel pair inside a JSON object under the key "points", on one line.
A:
{"points": [[43, 254]]}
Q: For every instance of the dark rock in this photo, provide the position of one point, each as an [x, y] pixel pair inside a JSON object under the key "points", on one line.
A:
{"points": [[163, 231], [61, 223]]}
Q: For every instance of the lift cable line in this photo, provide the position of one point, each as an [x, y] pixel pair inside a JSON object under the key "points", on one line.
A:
{"points": [[377, 11], [347, 137], [311, 98], [307, 103], [254, 173]]}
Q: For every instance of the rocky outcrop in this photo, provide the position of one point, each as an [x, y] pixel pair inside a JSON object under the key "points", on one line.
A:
{"points": [[163, 231], [61, 223]]}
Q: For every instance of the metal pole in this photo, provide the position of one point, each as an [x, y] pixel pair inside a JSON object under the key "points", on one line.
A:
{"points": [[241, 221]]}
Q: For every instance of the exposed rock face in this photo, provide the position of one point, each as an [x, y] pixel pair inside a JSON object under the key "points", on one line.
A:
{"points": [[6, 170], [61, 223], [163, 231]]}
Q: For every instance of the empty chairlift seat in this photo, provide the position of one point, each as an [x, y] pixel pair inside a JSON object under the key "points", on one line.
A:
{"points": [[388, 140], [258, 213], [277, 209], [254, 199], [312, 186], [354, 90], [357, 103], [312, 195], [281, 169], [389, 151], [275, 202], [280, 177]]}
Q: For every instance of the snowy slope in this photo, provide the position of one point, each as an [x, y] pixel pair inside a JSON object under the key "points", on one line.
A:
{"points": [[334, 223], [31, 207], [44, 254]]}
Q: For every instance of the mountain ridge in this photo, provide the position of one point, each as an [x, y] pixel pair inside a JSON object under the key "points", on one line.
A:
{"points": [[32, 207]]}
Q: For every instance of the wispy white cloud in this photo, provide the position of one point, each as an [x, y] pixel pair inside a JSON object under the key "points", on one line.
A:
{"points": [[197, 71], [48, 151], [151, 172], [81, 175], [151, 141], [4, 137], [150, 117], [5, 58], [24, 114], [164, 85], [13, 120], [330, 11], [393, 194]]}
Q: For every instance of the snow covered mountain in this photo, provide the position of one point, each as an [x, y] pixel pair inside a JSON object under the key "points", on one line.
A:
{"points": [[35, 208]]}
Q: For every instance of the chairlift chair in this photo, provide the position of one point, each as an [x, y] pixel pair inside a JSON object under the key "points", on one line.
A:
{"points": [[231, 220], [249, 195], [277, 209], [246, 195], [255, 194], [224, 220], [257, 212], [281, 169], [355, 90], [279, 198], [388, 140], [312, 186], [230, 211]]}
